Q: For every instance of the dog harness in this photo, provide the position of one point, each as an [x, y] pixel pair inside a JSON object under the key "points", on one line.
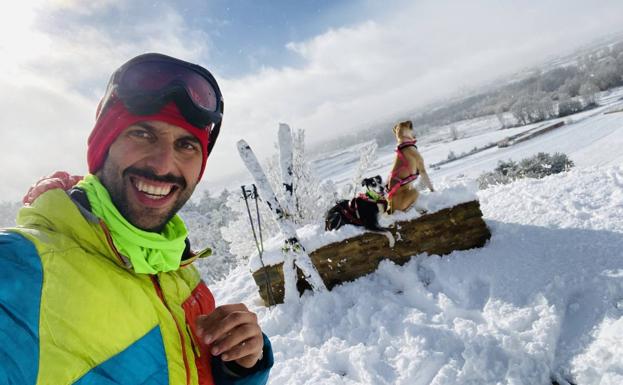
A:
{"points": [[404, 164], [372, 196], [351, 211]]}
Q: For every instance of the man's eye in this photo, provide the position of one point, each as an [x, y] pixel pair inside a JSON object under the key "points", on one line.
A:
{"points": [[138, 133], [188, 145]]}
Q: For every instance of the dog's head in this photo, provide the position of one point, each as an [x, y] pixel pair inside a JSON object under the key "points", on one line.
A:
{"points": [[374, 184], [404, 130]]}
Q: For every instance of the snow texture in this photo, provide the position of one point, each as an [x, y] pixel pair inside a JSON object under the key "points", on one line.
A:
{"points": [[542, 301]]}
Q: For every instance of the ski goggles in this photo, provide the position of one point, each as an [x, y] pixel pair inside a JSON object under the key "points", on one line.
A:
{"points": [[146, 83]]}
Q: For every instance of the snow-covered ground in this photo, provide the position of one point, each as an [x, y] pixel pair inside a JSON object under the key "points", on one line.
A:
{"points": [[542, 300]]}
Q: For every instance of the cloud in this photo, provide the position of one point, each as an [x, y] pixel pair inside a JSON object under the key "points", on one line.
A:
{"points": [[399, 59], [402, 56], [58, 70]]}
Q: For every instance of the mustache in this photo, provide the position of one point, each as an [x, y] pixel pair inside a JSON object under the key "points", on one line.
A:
{"points": [[151, 174]]}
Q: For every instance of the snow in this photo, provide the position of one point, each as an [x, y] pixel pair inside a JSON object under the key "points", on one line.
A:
{"points": [[542, 301]]}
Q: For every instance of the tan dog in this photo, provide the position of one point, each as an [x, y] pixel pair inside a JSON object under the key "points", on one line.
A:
{"points": [[408, 166]]}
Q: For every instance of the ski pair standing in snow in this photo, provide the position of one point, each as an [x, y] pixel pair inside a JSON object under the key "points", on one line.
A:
{"points": [[97, 284], [294, 253]]}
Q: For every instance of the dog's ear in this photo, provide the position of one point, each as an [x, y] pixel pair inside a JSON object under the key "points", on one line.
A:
{"points": [[395, 129], [378, 179], [364, 182]]}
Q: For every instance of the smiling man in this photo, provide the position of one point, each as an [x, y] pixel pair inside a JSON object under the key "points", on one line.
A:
{"points": [[97, 284]]}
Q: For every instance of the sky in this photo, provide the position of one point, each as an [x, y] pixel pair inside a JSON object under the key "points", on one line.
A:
{"points": [[328, 67]]}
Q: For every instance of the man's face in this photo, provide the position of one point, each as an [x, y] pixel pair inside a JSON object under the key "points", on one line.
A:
{"points": [[151, 171]]}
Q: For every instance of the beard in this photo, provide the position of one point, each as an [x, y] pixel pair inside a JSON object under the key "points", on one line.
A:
{"points": [[119, 185]]}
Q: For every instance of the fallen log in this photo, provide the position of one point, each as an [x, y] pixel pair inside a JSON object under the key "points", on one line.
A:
{"points": [[460, 227]]}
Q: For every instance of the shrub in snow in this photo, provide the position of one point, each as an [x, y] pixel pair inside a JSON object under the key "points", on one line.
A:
{"points": [[538, 166], [568, 107]]}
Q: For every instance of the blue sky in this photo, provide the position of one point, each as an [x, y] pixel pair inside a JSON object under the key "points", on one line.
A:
{"points": [[328, 67]]}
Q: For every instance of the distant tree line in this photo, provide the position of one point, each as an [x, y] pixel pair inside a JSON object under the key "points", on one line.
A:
{"points": [[543, 94]]}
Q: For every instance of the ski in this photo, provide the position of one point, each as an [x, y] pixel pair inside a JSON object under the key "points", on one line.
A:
{"points": [[286, 160], [294, 254]]}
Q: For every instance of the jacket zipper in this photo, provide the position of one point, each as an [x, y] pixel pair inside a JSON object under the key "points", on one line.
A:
{"points": [[154, 280], [112, 245], [156, 283]]}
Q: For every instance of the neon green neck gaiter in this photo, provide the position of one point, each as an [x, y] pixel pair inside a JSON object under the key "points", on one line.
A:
{"points": [[150, 253]]}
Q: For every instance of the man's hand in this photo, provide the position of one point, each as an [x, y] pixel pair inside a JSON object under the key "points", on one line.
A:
{"points": [[59, 179], [234, 334]]}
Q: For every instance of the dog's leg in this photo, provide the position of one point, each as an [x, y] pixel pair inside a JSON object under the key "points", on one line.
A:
{"points": [[390, 238]]}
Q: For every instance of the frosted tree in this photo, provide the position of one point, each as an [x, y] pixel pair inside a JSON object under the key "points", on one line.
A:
{"points": [[454, 133], [312, 197], [238, 231], [204, 220], [499, 113], [521, 110], [366, 159], [587, 92]]}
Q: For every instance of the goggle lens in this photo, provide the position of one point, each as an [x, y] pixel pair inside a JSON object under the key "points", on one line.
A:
{"points": [[153, 76]]}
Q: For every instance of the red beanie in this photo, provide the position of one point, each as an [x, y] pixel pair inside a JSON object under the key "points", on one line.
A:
{"points": [[117, 118]]}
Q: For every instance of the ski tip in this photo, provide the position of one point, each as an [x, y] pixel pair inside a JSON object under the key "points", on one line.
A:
{"points": [[242, 145]]}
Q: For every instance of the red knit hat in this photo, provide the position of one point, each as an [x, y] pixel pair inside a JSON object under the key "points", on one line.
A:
{"points": [[117, 118]]}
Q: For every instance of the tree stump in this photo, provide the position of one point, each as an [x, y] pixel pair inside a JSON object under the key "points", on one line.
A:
{"points": [[460, 227]]}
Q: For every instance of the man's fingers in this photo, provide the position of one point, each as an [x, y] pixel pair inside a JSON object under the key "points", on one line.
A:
{"points": [[222, 320], [245, 353], [228, 326], [235, 337], [233, 332]]}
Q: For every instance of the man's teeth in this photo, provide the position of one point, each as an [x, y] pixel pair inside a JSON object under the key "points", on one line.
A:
{"points": [[158, 191]]}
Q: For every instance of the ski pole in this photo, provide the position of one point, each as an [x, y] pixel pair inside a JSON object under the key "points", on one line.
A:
{"points": [[260, 250]]}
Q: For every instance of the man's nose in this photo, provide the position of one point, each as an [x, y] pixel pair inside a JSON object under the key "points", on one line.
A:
{"points": [[162, 158]]}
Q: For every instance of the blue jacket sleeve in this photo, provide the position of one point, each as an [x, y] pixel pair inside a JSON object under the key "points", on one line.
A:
{"points": [[21, 280], [258, 374]]}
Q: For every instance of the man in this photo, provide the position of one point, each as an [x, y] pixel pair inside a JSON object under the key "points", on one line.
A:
{"points": [[96, 283]]}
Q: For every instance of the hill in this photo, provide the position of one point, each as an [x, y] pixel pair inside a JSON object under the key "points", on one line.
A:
{"points": [[541, 302]]}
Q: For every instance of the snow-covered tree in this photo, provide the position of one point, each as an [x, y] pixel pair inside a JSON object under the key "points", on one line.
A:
{"points": [[568, 106], [367, 157], [499, 113], [311, 199], [204, 220], [238, 232], [587, 92], [454, 132]]}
